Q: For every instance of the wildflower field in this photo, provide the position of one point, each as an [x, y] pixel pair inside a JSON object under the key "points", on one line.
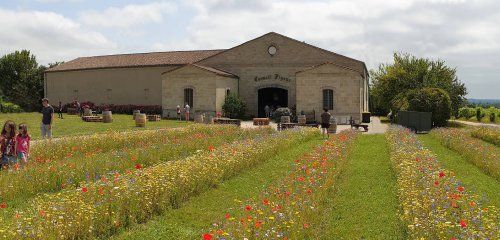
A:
{"points": [[224, 182]]}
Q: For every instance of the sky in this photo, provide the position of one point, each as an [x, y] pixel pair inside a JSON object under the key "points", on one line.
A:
{"points": [[464, 33]]}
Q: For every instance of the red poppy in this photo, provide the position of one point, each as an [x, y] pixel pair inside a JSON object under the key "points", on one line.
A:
{"points": [[133, 158], [63, 185], [453, 238], [248, 207], [84, 189], [265, 202], [309, 191], [258, 224], [42, 213], [436, 183], [138, 166], [227, 216], [463, 224], [306, 225], [441, 174], [207, 236], [460, 188], [3, 205], [211, 148], [300, 179]]}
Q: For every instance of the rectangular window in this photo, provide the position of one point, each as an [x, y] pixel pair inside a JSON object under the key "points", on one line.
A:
{"points": [[328, 99], [188, 96]]}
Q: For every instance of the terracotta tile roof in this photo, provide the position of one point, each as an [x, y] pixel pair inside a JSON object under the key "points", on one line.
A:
{"points": [[135, 60]]}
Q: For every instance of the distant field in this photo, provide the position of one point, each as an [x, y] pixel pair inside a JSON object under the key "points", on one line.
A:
{"points": [[72, 125]]}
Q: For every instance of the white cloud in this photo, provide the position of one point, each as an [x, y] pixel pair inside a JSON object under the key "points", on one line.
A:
{"points": [[127, 16], [464, 33], [50, 36]]}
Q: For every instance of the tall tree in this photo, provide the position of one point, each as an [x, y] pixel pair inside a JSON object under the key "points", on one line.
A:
{"points": [[411, 73], [21, 79]]}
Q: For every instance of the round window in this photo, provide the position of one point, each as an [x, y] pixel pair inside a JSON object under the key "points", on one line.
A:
{"points": [[272, 50]]}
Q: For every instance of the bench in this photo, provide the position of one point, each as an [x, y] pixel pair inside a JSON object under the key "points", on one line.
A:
{"points": [[358, 125], [153, 118], [261, 121], [92, 119], [283, 126], [236, 122]]}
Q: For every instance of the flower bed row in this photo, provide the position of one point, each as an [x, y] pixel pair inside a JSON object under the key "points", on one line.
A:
{"points": [[53, 176], [289, 209], [64, 148], [484, 156], [435, 205], [103, 207], [488, 134]]}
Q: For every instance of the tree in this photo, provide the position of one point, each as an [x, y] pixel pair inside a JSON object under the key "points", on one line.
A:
{"points": [[21, 79], [433, 100], [411, 73], [234, 107]]}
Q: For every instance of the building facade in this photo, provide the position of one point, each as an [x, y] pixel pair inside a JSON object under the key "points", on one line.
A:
{"points": [[272, 70]]}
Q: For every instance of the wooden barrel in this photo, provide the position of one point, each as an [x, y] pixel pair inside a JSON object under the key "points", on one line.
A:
{"points": [[107, 117], [134, 113], [140, 120], [333, 125], [285, 119], [87, 112], [199, 118], [302, 119]]}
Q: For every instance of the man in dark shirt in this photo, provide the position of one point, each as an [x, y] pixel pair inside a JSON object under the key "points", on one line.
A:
{"points": [[47, 117], [325, 122]]}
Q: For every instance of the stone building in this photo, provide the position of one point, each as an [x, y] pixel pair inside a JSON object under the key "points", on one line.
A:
{"points": [[272, 70]]}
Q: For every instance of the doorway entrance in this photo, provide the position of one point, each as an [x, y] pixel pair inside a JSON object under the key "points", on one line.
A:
{"points": [[273, 97]]}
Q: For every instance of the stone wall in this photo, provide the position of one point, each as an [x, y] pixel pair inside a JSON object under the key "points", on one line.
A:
{"points": [[203, 83], [344, 83], [251, 60]]}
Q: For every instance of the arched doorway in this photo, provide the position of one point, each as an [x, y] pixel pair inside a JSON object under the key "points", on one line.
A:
{"points": [[273, 97]]}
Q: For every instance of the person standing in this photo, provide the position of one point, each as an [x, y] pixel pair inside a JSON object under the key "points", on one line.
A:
{"points": [[187, 108], [325, 122], [23, 144], [78, 108], [178, 112], [47, 119], [8, 145], [267, 110], [60, 108]]}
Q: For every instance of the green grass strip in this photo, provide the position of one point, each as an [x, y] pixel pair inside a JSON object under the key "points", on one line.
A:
{"points": [[471, 176], [365, 205], [188, 221]]}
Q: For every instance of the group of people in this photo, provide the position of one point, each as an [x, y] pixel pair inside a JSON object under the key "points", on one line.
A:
{"points": [[186, 110], [14, 144]]}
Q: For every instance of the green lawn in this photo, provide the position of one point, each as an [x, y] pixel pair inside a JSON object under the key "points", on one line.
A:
{"points": [[197, 214], [72, 125], [365, 205], [473, 177]]}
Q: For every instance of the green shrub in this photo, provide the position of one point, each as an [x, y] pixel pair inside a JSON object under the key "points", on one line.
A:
{"points": [[493, 117], [465, 113], [234, 107], [7, 107], [434, 100], [479, 114]]}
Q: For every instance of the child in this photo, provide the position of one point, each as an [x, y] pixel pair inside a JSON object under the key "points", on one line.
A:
{"points": [[23, 143], [8, 144]]}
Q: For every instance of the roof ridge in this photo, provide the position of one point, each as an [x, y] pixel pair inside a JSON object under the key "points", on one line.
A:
{"points": [[126, 54]]}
